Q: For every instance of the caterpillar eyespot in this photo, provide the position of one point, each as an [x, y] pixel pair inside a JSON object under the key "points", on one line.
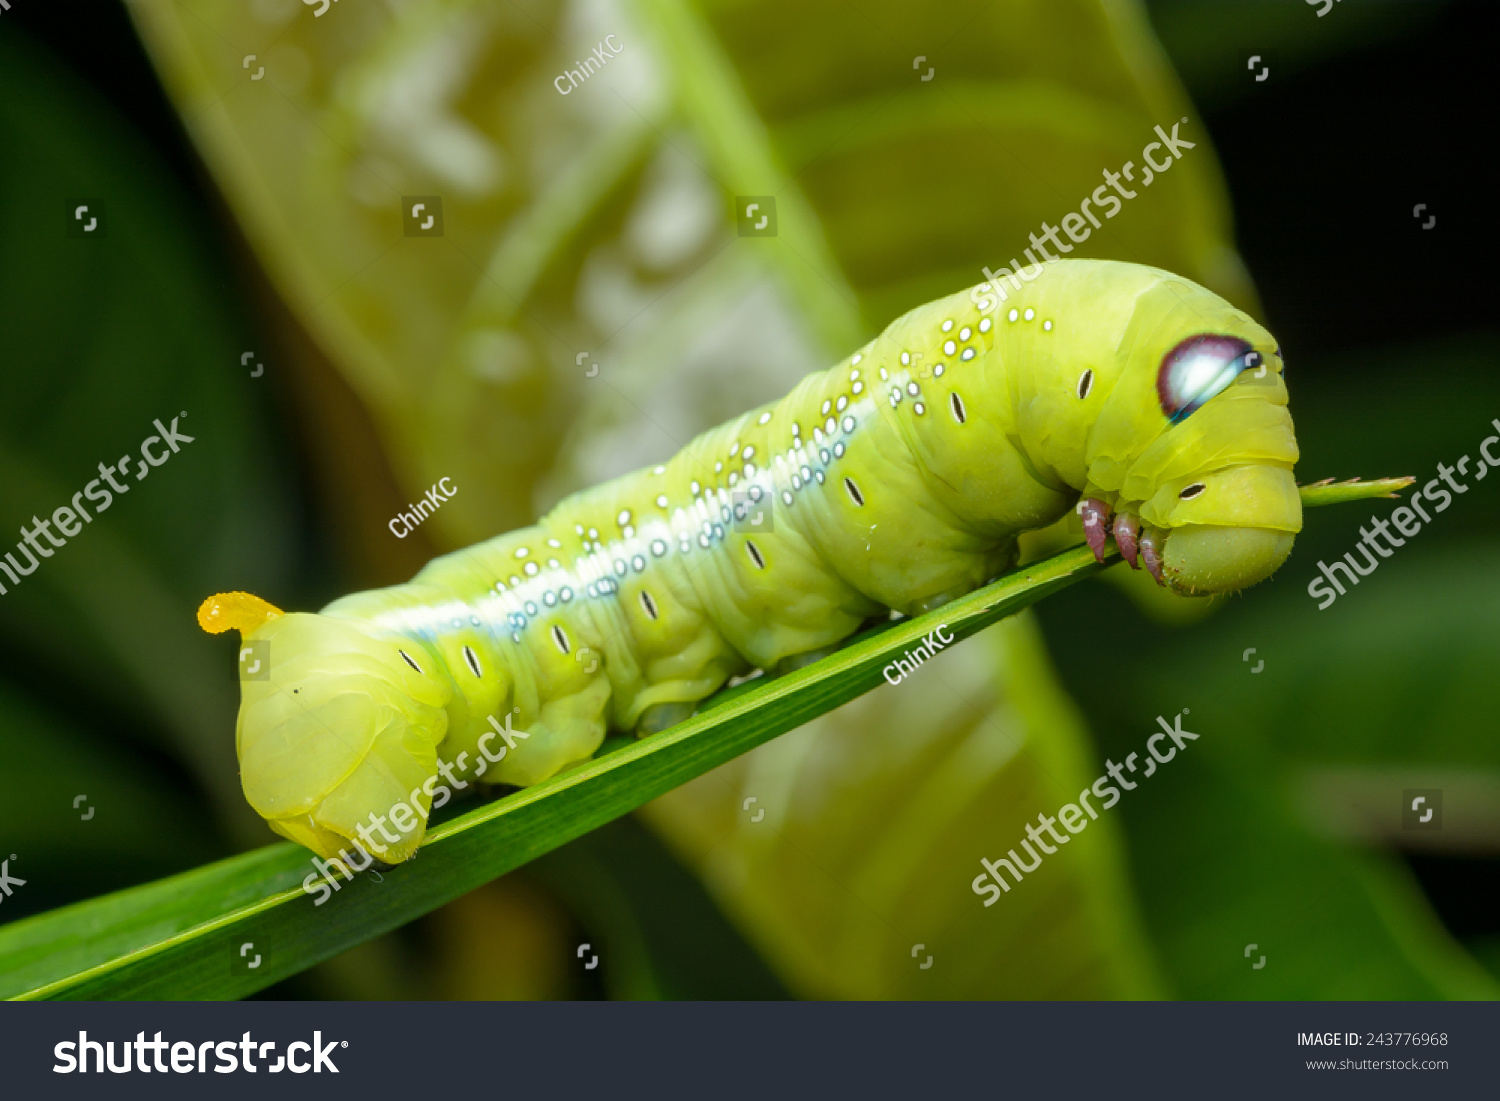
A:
{"points": [[365, 736]]}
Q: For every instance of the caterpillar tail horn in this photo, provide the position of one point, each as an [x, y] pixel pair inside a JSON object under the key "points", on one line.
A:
{"points": [[242, 612]]}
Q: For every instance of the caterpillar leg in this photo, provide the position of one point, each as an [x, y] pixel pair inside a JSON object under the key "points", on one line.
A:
{"points": [[1150, 546], [1127, 536], [1095, 515], [660, 716]]}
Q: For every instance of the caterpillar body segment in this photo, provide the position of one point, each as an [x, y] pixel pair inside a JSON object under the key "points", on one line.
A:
{"points": [[898, 479]]}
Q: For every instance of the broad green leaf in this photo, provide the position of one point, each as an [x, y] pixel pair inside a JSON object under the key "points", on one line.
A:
{"points": [[848, 847]]}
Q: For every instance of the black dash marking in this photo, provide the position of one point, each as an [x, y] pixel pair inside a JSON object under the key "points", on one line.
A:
{"points": [[853, 491]]}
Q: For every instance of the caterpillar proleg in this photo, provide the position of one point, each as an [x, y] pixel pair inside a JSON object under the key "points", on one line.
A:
{"points": [[898, 479]]}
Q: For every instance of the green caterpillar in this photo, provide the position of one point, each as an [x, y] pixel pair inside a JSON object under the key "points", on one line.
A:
{"points": [[898, 479]]}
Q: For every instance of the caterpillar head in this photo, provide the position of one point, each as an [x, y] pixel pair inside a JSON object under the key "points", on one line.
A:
{"points": [[338, 727], [1195, 438]]}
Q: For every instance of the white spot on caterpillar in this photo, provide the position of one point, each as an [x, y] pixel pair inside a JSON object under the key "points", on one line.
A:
{"points": [[522, 552], [883, 375], [827, 405], [639, 562], [566, 594], [696, 488], [919, 408], [838, 451], [913, 389], [796, 482], [749, 470], [553, 543], [530, 569], [553, 563], [786, 497], [1014, 314], [855, 374], [829, 425], [938, 371], [949, 348], [965, 333], [818, 474], [1047, 325], [560, 637], [905, 359], [659, 470], [755, 556], [946, 326], [408, 659], [658, 548], [843, 403], [548, 598], [749, 454], [649, 605], [857, 358], [854, 493], [968, 354], [957, 404], [765, 418], [847, 424], [859, 388], [661, 501], [734, 449], [1085, 383], [718, 468], [623, 518], [472, 659], [1030, 313], [984, 326]]}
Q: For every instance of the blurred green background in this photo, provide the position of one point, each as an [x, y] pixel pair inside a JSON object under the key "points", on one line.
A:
{"points": [[249, 159]]}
